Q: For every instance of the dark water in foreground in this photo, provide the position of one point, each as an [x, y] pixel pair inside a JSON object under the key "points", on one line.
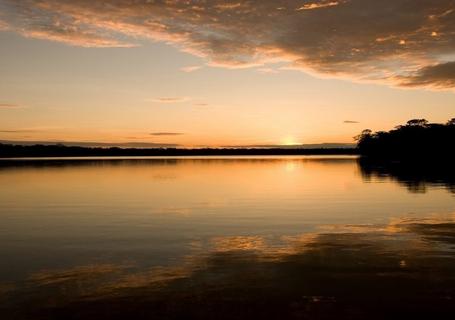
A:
{"points": [[232, 238]]}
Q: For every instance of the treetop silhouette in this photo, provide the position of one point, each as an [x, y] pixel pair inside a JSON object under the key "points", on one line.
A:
{"points": [[416, 139]]}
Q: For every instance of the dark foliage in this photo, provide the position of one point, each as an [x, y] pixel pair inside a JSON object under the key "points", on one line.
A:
{"points": [[416, 139], [9, 151]]}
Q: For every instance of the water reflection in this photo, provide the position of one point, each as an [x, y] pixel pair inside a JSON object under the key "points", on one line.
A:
{"points": [[416, 177], [236, 238], [401, 269], [7, 163]]}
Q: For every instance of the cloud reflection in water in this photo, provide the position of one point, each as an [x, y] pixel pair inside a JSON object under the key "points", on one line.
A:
{"points": [[404, 268]]}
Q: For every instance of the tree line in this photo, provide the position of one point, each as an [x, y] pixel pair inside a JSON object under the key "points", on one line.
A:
{"points": [[59, 150], [416, 139]]}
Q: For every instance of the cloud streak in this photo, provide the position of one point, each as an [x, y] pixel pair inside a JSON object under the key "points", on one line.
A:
{"points": [[32, 129], [396, 42], [189, 69], [9, 106], [93, 144], [76, 38], [166, 133], [318, 5], [440, 76], [170, 99], [16, 131], [3, 26]]}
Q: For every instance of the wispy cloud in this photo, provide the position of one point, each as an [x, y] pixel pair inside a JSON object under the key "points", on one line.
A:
{"points": [[3, 26], [189, 69], [441, 75], [267, 70], [33, 129], [16, 131], [350, 121], [410, 44], [10, 106], [166, 133], [170, 99], [93, 144], [76, 38], [228, 6], [318, 5]]}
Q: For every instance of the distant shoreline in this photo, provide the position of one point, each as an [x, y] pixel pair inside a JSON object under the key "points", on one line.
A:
{"points": [[60, 151]]}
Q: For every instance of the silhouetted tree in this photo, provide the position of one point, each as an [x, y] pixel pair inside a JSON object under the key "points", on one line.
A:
{"points": [[417, 139], [366, 134], [417, 123], [60, 150]]}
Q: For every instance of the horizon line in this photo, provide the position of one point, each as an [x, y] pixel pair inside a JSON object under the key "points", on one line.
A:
{"points": [[143, 145]]}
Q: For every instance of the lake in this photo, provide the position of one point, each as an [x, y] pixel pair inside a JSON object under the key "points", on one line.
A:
{"points": [[225, 238]]}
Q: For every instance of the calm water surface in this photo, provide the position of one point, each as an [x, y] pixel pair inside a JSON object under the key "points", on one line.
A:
{"points": [[224, 238]]}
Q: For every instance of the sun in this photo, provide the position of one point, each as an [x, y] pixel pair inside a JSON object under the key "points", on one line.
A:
{"points": [[288, 141]]}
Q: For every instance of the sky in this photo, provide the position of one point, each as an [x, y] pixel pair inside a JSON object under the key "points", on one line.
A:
{"points": [[222, 73]]}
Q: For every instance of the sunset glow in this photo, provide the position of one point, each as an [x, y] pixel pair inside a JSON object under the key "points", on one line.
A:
{"points": [[227, 159], [221, 73]]}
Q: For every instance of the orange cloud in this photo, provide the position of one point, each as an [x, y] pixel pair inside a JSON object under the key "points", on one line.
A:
{"points": [[166, 133], [317, 5], [10, 106], [323, 37], [3, 26], [190, 68], [170, 99], [437, 76]]}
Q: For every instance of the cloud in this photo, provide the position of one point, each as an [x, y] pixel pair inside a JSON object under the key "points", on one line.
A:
{"points": [[350, 121], [33, 129], [76, 38], [16, 131], [93, 144], [190, 68], [267, 70], [170, 99], [318, 5], [9, 106], [438, 76], [166, 133], [201, 105], [395, 42], [3, 26]]}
